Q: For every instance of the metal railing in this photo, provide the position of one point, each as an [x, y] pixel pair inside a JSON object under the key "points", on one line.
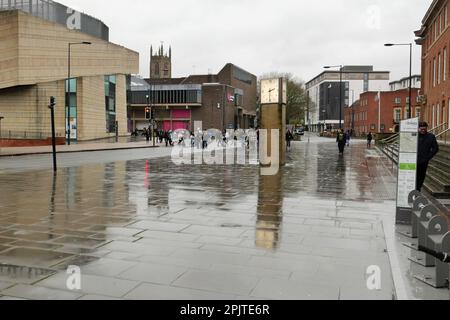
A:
{"points": [[28, 135], [439, 129], [390, 147], [444, 136]]}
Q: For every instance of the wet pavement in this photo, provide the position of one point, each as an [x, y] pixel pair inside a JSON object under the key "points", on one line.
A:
{"points": [[148, 229]]}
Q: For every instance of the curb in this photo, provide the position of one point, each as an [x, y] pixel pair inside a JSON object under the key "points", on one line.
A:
{"points": [[75, 151]]}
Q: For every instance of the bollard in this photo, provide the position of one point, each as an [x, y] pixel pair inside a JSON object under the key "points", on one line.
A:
{"points": [[427, 214], [438, 238], [417, 202], [419, 205], [413, 196]]}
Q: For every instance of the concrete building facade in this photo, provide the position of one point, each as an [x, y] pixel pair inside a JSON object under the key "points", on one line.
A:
{"points": [[434, 37], [34, 66], [324, 92], [404, 83]]}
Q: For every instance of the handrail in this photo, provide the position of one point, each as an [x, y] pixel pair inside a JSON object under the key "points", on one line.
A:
{"points": [[393, 138], [443, 134], [435, 130]]}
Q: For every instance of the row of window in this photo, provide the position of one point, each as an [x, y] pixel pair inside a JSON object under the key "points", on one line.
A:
{"points": [[438, 72], [437, 114], [398, 112], [438, 25], [362, 116]]}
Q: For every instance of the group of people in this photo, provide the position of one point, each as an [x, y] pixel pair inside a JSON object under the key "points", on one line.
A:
{"points": [[343, 140], [160, 135]]}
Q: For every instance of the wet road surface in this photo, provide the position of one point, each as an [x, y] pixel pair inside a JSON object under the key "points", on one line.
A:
{"points": [[148, 229]]}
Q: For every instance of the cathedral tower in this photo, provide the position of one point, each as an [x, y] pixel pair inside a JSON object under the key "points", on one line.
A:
{"points": [[160, 63]]}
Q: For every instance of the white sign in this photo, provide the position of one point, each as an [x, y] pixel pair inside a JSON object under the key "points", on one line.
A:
{"points": [[407, 161], [410, 125]]}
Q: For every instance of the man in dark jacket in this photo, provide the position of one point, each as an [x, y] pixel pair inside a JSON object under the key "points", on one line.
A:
{"points": [[341, 140], [428, 148]]}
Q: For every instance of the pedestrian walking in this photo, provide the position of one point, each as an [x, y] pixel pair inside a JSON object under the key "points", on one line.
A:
{"points": [[369, 140], [147, 134], [428, 148], [348, 137], [289, 138], [340, 139]]}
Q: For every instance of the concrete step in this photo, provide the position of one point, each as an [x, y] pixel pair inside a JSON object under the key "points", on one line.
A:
{"points": [[440, 163], [444, 147], [439, 171], [439, 181], [435, 190]]}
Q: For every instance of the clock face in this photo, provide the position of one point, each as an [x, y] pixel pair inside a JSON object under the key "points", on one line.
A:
{"points": [[270, 91]]}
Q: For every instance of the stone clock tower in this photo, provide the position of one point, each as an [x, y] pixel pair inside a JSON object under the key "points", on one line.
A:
{"points": [[160, 63]]}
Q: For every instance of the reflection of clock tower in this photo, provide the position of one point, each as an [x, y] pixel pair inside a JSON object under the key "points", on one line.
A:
{"points": [[160, 63]]}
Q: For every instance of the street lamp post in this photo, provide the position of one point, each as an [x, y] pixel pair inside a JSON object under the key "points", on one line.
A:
{"points": [[340, 91], [68, 87], [410, 72]]}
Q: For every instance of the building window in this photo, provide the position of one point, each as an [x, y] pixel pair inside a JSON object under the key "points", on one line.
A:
{"points": [[157, 69], [110, 103], [439, 68], [435, 30], [73, 107], [418, 113], [434, 72], [444, 77], [445, 16], [397, 115], [434, 116], [438, 115], [398, 100]]}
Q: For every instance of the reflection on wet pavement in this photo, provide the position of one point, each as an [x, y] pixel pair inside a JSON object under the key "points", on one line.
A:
{"points": [[148, 229]]}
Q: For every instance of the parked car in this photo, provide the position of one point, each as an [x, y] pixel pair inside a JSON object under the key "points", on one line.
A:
{"points": [[299, 131]]}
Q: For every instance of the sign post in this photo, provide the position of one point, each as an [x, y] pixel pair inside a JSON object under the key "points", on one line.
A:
{"points": [[52, 115], [407, 168]]}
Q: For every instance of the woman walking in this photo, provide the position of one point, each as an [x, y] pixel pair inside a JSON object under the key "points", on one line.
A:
{"points": [[369, 140]]}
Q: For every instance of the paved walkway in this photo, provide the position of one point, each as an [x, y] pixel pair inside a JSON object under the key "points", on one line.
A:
{"points": [[147, 229]]}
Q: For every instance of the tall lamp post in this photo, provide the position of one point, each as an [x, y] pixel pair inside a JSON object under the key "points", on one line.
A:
{"points": [[340, 91], [410, 71], [68, 87]]}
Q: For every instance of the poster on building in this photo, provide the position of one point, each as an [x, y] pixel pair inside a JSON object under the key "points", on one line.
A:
{"points": [[73, 129], [407, 162]]}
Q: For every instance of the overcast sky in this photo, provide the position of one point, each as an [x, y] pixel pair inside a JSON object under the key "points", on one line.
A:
{"points": [[262, 36]]}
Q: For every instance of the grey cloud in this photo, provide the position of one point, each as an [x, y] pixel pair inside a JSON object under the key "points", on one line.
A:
{"points": [[264, 35]]}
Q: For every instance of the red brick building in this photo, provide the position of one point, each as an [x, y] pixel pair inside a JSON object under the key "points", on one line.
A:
{"points": [[226, 100], [370, 114], [434, 37]]}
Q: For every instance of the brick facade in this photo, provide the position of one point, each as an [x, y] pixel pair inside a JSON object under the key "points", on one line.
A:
{"points": [[363, 117], [434, 37]]}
